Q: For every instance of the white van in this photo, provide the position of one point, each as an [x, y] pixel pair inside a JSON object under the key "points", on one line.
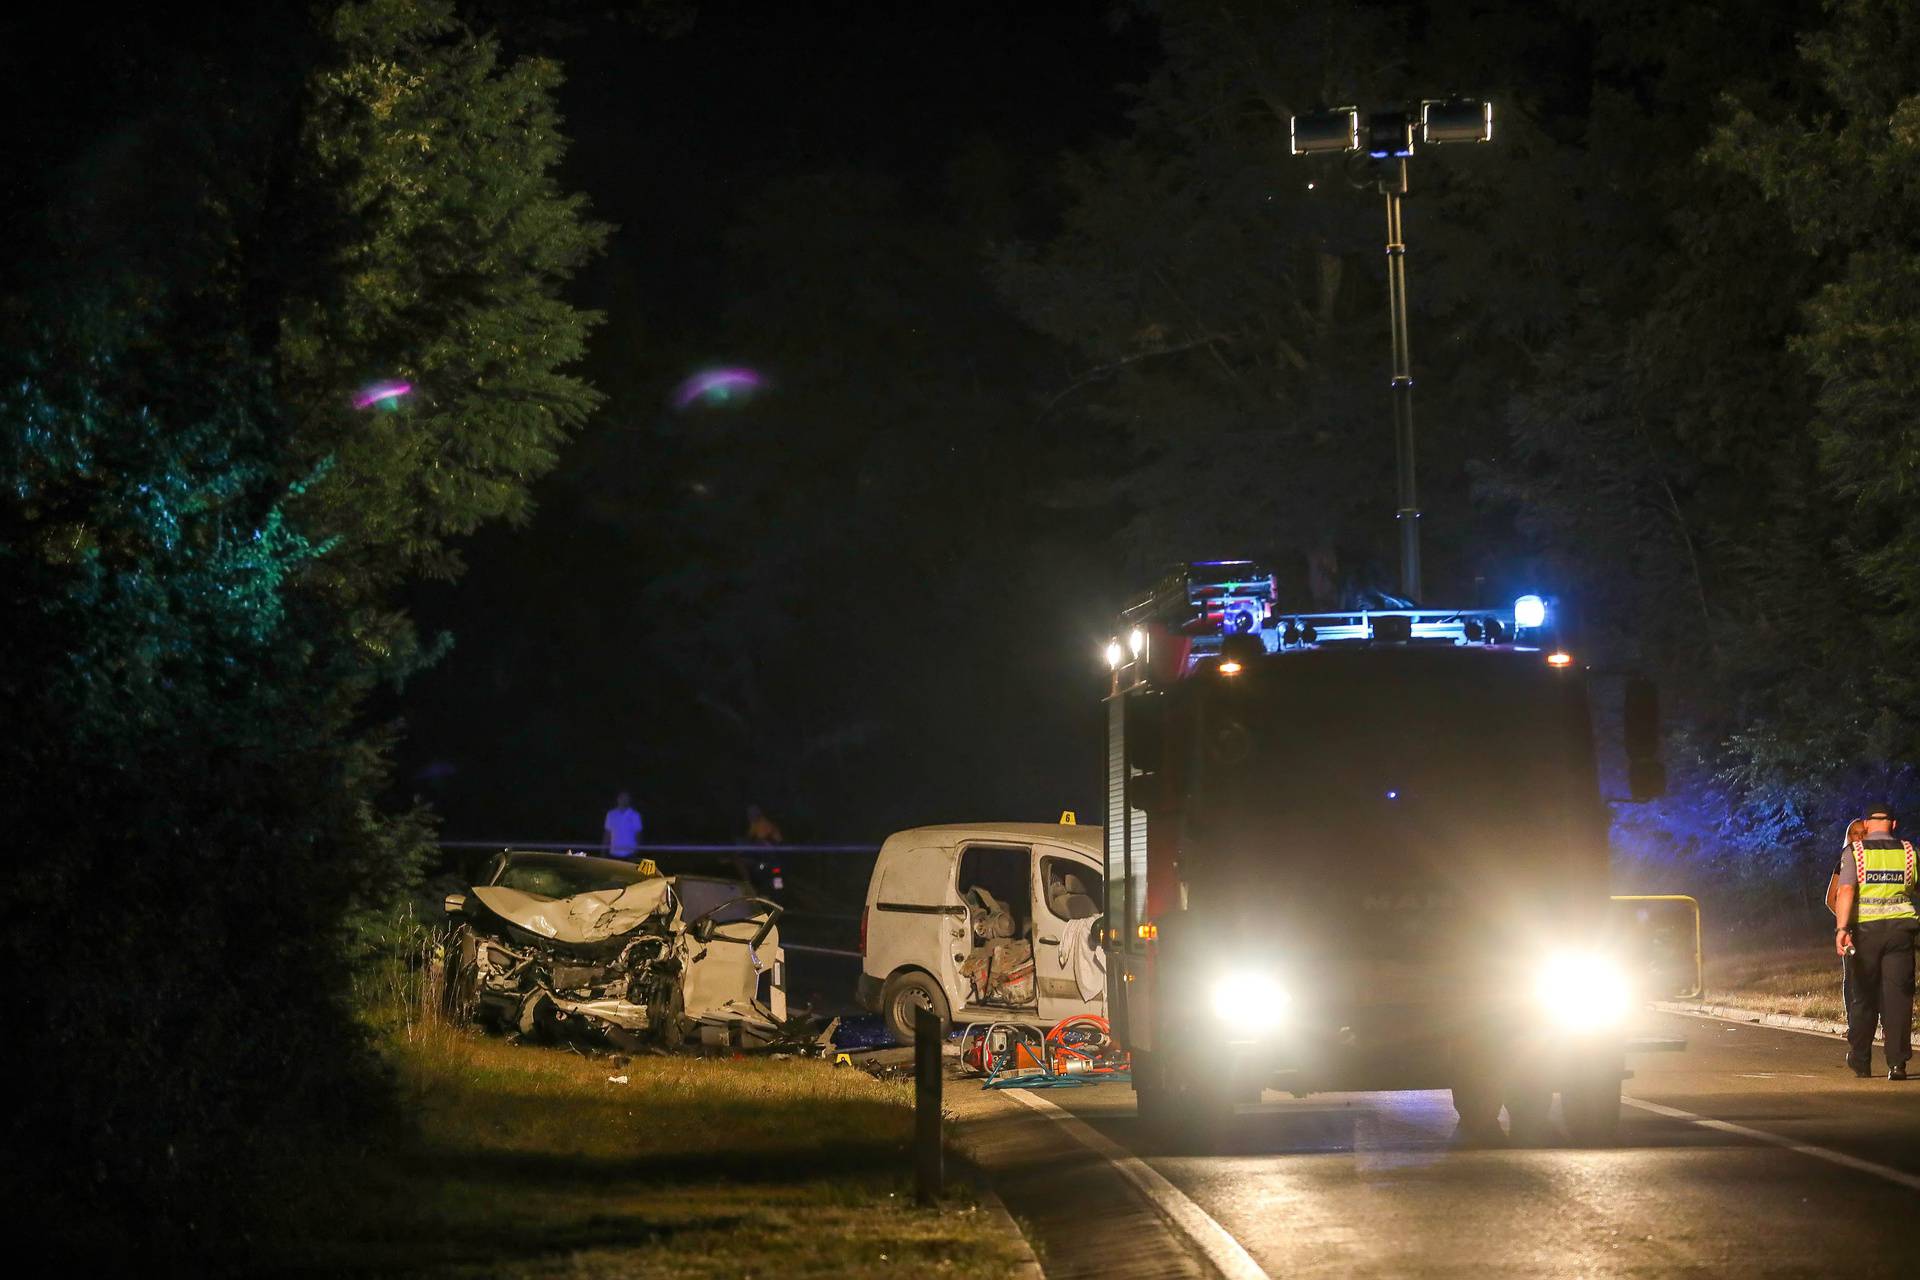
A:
{"points": [[998, 922]]}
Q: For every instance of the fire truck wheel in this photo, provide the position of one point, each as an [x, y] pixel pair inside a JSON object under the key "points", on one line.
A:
{"points": [[906, 991], [1476, 1100], [1529, 1111], [1184, 1111], [1592, 1109]]}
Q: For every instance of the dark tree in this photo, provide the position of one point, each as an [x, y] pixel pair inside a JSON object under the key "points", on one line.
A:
{"points": [[201, 536]]}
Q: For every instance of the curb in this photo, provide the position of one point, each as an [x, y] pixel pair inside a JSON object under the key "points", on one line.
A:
{"points": [[1027, 1265], [1729, 1013]]}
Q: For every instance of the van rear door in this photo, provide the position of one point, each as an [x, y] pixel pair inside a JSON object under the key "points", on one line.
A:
{"points": [[915, 910]]}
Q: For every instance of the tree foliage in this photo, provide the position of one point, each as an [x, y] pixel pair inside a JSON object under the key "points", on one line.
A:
{"points": [[200, 537], [1838, 718], [1228, 301], [443, 158]]}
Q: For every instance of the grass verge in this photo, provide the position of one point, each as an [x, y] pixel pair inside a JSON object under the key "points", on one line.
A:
{"points": [[527, 1161], [1800, 980]]}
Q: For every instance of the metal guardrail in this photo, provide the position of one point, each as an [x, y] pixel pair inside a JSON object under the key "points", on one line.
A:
{"points": [[1699, 950], [568, 846]]}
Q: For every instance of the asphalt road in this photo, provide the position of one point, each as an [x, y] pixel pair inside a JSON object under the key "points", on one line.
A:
{"points": [[1817, 1175]]}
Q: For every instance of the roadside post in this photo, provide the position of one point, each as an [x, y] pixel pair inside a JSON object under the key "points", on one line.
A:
{"points": [[929, 1160]]}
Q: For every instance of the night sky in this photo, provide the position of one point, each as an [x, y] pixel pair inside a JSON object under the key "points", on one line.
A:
{"points": [[977, 692]]}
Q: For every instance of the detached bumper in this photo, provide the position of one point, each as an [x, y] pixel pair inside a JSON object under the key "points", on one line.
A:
{"points": [[866, 993]]}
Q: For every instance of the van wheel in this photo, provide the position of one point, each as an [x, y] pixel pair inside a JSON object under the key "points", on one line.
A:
{"points": [[905, 992]]}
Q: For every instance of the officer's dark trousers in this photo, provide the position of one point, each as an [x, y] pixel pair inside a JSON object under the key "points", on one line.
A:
{"points": [[1880, 990]]}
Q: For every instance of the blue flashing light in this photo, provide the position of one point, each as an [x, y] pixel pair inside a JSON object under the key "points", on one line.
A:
{"points": [[1529, 611], [1393, 795]]}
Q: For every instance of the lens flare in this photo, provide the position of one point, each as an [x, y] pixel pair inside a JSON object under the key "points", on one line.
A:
{"points": [[1583, 990], [716, 388], [385, 395], [1251, 999]]}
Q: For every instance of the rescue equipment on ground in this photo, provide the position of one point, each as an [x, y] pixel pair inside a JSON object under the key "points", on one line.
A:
{"points": [[990, 1048], [1078, 1050]]}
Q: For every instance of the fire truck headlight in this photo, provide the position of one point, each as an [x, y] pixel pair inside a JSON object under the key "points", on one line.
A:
{"points": [[1250, 999], [1583, 989], [1529, 611]]}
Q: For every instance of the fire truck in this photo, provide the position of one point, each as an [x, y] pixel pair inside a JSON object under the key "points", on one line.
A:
{"points": [[1363, 850]]}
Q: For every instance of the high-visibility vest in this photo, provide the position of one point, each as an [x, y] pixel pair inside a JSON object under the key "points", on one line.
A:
{"points": [[1886, 878]]}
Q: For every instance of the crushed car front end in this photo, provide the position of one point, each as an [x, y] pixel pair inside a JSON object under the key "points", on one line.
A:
{"points": [[593, 950]]}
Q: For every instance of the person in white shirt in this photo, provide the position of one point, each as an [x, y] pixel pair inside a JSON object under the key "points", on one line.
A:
{"points": [[622, 831]]}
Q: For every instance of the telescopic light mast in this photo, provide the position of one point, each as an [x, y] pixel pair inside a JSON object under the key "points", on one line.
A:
{"points": [[1388, 137]]}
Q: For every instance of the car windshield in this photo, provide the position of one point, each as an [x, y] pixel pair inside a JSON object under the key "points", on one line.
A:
{"points": [[699, 895], [559, 875], [1388, 766]]}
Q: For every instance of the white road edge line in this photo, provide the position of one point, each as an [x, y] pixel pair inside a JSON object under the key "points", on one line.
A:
{"points": [[1215, 1243], [1841, 1158]]}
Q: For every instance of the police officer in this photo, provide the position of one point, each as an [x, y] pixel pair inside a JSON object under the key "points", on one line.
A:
{"points": [[1873, 909]]}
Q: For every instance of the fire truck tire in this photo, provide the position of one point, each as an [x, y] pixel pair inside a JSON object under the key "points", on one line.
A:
{"points": [[1476, 1100], [907, 990], [1529, 1111], [1183, 1110], [1592, 1110]]}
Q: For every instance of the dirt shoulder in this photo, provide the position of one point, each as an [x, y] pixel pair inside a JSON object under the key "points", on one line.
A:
{"points": [[526, 1161]]}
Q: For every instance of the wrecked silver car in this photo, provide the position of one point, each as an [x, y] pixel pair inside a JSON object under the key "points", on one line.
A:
{"points": [[556, 946]]}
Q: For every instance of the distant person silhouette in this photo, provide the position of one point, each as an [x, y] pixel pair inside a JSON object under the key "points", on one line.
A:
{"points": [[621, 834], [761, 829]]}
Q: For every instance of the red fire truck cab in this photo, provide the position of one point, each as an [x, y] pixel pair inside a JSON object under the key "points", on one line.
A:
{"points": [[1361, 850]]}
